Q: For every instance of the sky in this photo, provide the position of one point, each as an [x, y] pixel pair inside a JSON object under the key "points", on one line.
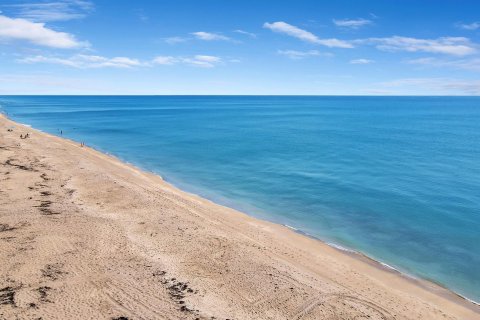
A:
{"points": [[258, 47]]}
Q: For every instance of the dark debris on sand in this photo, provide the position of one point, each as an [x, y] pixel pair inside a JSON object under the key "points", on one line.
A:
{"points": [[7, 296], [53, 271], [178, 291], [43, 291], [44, 207], [5, 227], [19, 166]]}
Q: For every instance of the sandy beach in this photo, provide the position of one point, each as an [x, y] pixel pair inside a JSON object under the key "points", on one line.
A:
{"points": [[86, 236]]}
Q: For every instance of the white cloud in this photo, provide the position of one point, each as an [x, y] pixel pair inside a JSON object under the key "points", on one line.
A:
{"points": [[466, 86], [120, 62], [469, 26], [297, 55], [352, 23], [293, 31], [203, 61], [211, 59], [465, 64], [458, 46], [283, 27], [208, 36], [81, 61], [361, 61], [251, 35], [141, 15], [165, 60], [60, 10], [175, 40], [199, 35], [37, 33]]}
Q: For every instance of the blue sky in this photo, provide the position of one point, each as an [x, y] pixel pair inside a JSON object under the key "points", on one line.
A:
{"points": [[240, 47]]}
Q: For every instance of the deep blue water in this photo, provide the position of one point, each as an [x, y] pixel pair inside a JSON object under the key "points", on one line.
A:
{"points": [[397, 178]]}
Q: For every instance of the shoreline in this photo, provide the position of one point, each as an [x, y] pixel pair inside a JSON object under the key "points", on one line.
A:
{"points": [[363, 262], [384, 266], [418, 280], [349, 251]]}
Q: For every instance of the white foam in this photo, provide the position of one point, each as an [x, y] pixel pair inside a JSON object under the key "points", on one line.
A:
{"points": [[290, 227], [339, 247], [470, 300], [390, 267]]}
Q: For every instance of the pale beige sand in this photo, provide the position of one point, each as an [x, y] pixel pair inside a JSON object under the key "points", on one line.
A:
{"points": [[85, 236]]}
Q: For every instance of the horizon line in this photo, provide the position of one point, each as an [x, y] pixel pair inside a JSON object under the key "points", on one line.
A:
{"points": [[238, 95]]}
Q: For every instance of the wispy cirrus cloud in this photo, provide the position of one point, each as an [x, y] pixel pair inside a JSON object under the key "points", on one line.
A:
{"points": [[352, 23], [36, 33], [250, 34], [198, 35], [361, 61], [293, 31], [457, 46], [82, 61], [297, 55], [203, 61], [465, 64], [469, 26], [141, 15], [61, 10], [175, 40], [165, 60], [209, 36]]}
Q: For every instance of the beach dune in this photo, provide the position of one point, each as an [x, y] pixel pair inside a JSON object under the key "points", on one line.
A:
{"points": [[86, 236]]}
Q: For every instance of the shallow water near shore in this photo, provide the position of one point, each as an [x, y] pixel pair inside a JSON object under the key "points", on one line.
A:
{"points": [[397, 178]]}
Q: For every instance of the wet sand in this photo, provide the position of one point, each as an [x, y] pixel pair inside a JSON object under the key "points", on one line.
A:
{"points": [[86, 236]]}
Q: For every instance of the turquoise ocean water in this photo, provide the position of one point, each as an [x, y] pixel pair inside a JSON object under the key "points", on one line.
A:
{"points": [[397, 178]]}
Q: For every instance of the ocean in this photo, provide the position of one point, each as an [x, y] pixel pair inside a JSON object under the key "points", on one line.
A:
{"points": [[396, 178]]}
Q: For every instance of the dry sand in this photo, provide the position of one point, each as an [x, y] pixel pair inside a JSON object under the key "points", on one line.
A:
{"points": [[85, 236]]}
